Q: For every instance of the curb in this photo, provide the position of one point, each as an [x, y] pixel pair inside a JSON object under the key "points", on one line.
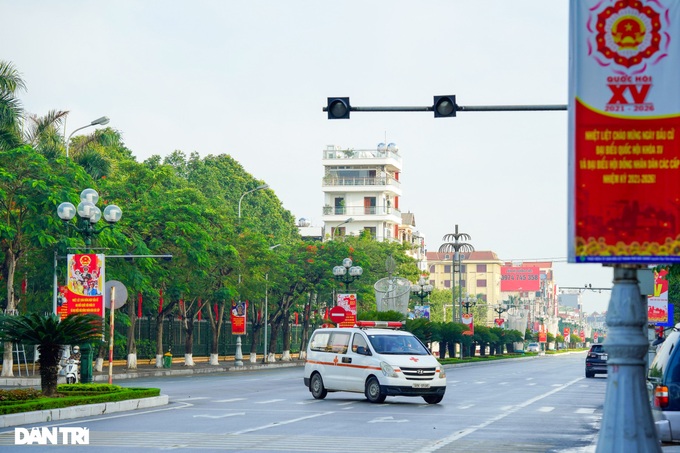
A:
{"points": [[88, 410]]}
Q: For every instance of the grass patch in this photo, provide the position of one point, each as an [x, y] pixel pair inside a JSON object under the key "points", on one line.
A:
{"points": [[27, 400]]}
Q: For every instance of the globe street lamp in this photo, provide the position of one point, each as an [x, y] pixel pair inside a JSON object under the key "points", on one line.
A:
{"points": [[421, 289], [98, 122], [468, 302], [347, 273], [88, 214], [500, 309]]}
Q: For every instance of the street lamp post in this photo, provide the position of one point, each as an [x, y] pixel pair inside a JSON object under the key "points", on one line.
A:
{"points": [[500, 309], [347, 273], [238, 355], [468, 302], [421, 290], [453, 244], [88, 214], [349, 220], [98, 122]]}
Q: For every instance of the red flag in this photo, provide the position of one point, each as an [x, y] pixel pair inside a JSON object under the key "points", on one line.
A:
{"points": [[326, 317], [139, 304], [217, 312], [24, 284], [296, 318], [181, 306], [200, 312], [160, 303]]}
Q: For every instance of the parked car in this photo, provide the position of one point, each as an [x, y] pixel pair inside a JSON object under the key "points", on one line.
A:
{"points": [[596, 361], [663, 385], [533, 347]]}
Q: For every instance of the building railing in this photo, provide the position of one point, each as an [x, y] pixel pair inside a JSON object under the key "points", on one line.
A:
{"points": [[361, 210], [373, 181], [360, 154]]}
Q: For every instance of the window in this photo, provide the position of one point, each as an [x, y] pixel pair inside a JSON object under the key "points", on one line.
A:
{"points": [[371, 231], [432, 269], [357, 341], [335, 342], [447, 268], [481, 283], [447, 283], [481, 268]]}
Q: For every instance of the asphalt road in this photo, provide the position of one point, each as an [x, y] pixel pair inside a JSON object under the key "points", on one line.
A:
{"points": [[542, 404]]}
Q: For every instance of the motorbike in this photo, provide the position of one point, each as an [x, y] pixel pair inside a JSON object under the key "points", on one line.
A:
{"points": [[71, 371]]}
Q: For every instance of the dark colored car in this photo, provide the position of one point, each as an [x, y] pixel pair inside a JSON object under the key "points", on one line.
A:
{"points": [[663, 385], [596, 361]]}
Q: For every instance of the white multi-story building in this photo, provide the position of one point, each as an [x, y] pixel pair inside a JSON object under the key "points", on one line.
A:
{"points": [[361, 192]]}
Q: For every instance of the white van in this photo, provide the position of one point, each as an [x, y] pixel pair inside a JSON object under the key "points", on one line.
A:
{"points": [[377, 362]]}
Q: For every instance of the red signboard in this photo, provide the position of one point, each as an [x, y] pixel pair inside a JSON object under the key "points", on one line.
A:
{"points": [[84, 292], [624, 130], [349, 303], [520, 278], [238, 318]]}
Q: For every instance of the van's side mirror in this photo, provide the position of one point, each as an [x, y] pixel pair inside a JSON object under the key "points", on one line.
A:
{"points": [[363, 351]]}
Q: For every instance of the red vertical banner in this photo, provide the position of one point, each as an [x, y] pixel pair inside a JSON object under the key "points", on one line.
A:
{"points": [[139, 304], [624, 131], [468, 320], [238, 318], [160, 302], [84, 292], [349, 303]]}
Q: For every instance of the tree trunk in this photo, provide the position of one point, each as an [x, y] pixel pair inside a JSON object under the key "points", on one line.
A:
{"points": [[285, 332], [189, 341], [49, 369], [131, 343], [442, 349], [7, 357], [306, 316], [159, 340]]}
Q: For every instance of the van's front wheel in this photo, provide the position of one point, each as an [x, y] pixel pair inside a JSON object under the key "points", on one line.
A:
{"points": [[433, 399], [373, 392], [319, 392]]}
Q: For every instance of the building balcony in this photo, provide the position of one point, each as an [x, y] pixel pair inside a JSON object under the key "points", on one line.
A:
{"points": [[359, 211], [385, 181]]}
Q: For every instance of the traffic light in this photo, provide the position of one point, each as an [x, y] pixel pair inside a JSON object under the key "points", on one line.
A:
{"points": [[338, 108], [444, 106]]}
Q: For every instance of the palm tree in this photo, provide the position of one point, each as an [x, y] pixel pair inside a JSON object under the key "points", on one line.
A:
{"points": [[10, 107], [50, 335]]}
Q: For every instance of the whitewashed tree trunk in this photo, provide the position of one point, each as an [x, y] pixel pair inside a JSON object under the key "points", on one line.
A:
{"points": [[7, 361], [132, 361], [303, 355], [189, 360], [214, 359], [285, 356], [271, 357], [99, 364], [253, 357], [159, 360]]}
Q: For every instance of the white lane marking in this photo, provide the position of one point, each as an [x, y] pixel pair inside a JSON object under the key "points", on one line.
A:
{"points": [[347, 403], [269, 401], [467, 406], [191, 399], [308, 402], [387, 420], [460, 434], [546, 409], [286, 422], [585, 410], [531, 383], [502, 383], [219, 416], [507, 408], [480, 382], [230, 400]]}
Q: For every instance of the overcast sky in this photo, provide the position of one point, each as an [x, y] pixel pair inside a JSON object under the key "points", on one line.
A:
{"points": [[250, 79]]}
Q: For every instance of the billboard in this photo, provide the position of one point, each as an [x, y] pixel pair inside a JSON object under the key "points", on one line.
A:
{"points": [[349, 303], [657, 304], [84, 290], [238, 317], [520, 278], [624, 131]]}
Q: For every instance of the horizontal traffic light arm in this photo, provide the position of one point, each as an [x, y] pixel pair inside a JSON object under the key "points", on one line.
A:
{"points": [[461, 108]]}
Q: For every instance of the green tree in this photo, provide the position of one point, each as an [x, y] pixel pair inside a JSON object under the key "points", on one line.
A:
{"points": [[50, 335], [11, 110]]}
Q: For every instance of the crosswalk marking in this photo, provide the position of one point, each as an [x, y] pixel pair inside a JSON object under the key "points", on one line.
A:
{"points": [[546, 409]]}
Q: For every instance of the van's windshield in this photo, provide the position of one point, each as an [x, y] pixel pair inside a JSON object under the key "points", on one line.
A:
{"points": [[397, 344]]}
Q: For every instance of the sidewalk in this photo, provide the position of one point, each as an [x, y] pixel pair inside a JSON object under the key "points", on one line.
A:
{"points": [[147, 368]]}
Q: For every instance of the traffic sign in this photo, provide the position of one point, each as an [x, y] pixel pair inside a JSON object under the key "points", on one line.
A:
{"points": [[338, 314]]}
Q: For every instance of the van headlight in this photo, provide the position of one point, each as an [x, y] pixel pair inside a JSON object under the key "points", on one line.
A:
{"points": [[442, 373], [387, 369]]}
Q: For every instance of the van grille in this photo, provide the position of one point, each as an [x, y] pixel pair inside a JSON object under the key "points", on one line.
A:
{"points": [[418, 374]]}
